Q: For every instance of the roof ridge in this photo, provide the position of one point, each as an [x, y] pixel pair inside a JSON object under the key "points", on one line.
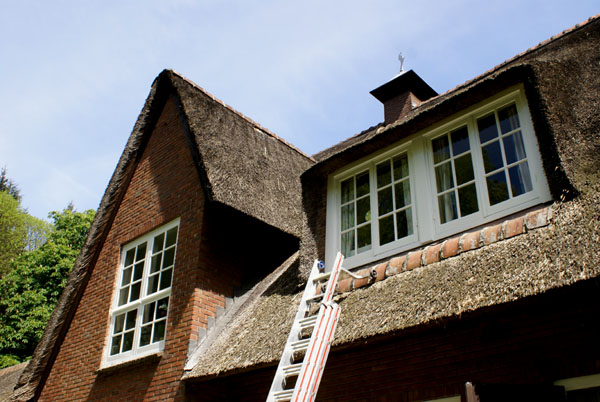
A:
{"points": [[236, 112]]}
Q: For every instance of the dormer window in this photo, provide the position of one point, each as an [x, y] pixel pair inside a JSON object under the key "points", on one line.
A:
{"points": [[473, 168]]}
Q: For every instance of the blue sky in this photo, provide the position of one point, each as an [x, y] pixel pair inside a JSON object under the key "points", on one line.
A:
{"points": [[74, 74]]}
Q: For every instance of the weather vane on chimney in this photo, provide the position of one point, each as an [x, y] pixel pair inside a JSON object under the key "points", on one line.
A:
{"points": [[401, 59]]}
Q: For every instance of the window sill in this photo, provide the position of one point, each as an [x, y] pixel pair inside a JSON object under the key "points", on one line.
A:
{"points": [[144, 360]]}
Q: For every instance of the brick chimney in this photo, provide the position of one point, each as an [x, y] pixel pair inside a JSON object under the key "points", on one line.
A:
{"points": [[400, 95]]}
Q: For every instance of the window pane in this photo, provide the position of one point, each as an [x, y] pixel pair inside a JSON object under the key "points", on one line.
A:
{"points": [[443, 177], [153, 284], [127, 341], [520, 181], [145, 335], [159, 331], [126, 276], [123, 296], [514, 148], [509, 119], [168, 258], [492, 156], [141, 252], [400, 167], [171, 237], [402, 190], [487, 128], [467, 198], [158, 243], [364, 238], [129, 257], [347, 190], [384, 174], [130, 321], [404, 223], [148, 312], [161, 309], [348, 244], [386, 230], [135, 291], [116, 345], [155, 266], [362, 184], [384, 199], [347, 216], [497, 188], [138, 271], [441, 150], [464, 169], [363, 209], [460, 141], [447, 206], [119, 323], [165, 279]]}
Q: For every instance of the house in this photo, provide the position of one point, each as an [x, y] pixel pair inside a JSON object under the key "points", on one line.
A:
{"points": [[472, 214]]}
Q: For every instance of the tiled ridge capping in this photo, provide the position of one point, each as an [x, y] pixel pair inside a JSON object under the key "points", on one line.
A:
{"points": [[448, 248]]}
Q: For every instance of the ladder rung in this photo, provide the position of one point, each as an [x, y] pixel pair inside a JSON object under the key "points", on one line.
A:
{"points": [[283, 395], [315, 297], [300, 345], [308, 322], [320, 277], [292, 369]]}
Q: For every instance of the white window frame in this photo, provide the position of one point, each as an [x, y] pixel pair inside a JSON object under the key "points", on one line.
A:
{"points": [[144, 299], [426, 222]]}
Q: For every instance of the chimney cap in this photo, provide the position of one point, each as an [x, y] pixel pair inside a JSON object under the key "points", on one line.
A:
{"points": [[407, 81]]}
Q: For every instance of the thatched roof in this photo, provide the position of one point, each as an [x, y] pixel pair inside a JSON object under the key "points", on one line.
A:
{"points": [[544, 249], [8, 379], [239, 163]]}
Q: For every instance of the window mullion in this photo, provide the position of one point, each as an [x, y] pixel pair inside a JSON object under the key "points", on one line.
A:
{"points": [[373, 202]]}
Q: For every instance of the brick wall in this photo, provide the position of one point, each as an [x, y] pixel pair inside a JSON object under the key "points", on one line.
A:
{"points": [[164, 186]]}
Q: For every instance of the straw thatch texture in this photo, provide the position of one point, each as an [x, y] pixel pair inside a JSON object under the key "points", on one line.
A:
{"points": [[8, 379]]}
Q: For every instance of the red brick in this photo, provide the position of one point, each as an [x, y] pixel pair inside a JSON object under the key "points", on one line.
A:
{"points": [[413, 260], [450, 248], [359, 283], [395, 266], [432, 254], [469, 241], [491, 234], [345, 285], [537, 219], [380, 270], [513, 227]]}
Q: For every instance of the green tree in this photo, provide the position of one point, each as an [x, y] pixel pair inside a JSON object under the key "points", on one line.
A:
{"points": [[32, 287], [7, 185]]}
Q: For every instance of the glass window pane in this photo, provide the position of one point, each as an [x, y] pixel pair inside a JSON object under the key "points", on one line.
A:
{"points": [[400, 167], [153, 284], [386, 230], [514, 148], [155, 266], [509, 119], [492, 156], [384, 174], [441, 149], [138, 271], [148, 312], [141, 252], [348, 244], [159, 331], [402, 191], [116, 345], [520, 181], [460, 141], [384, 200], [404, 224], [487, 128], [497, 188], [129, 257], [363, 210], [135, 291], [145, 335], [168, 258], [362, 184], [171, 237], [447, 206], [161, 308], [464, 169], [158, 243], [364, 238], [119, 323], [467, 198], [165, 278], [127, 341], [443, 177], [130, 321], [126, 276], [347, 190], [123, 296], [347, 216]]}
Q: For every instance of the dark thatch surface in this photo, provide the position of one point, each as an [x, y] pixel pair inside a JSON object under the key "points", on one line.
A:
{"points": [[561, 79], [239, 163], [8, 379]]}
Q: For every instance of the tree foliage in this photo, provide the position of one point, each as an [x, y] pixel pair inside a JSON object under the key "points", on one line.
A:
{"points": [[8, 186], [30, 290]]}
